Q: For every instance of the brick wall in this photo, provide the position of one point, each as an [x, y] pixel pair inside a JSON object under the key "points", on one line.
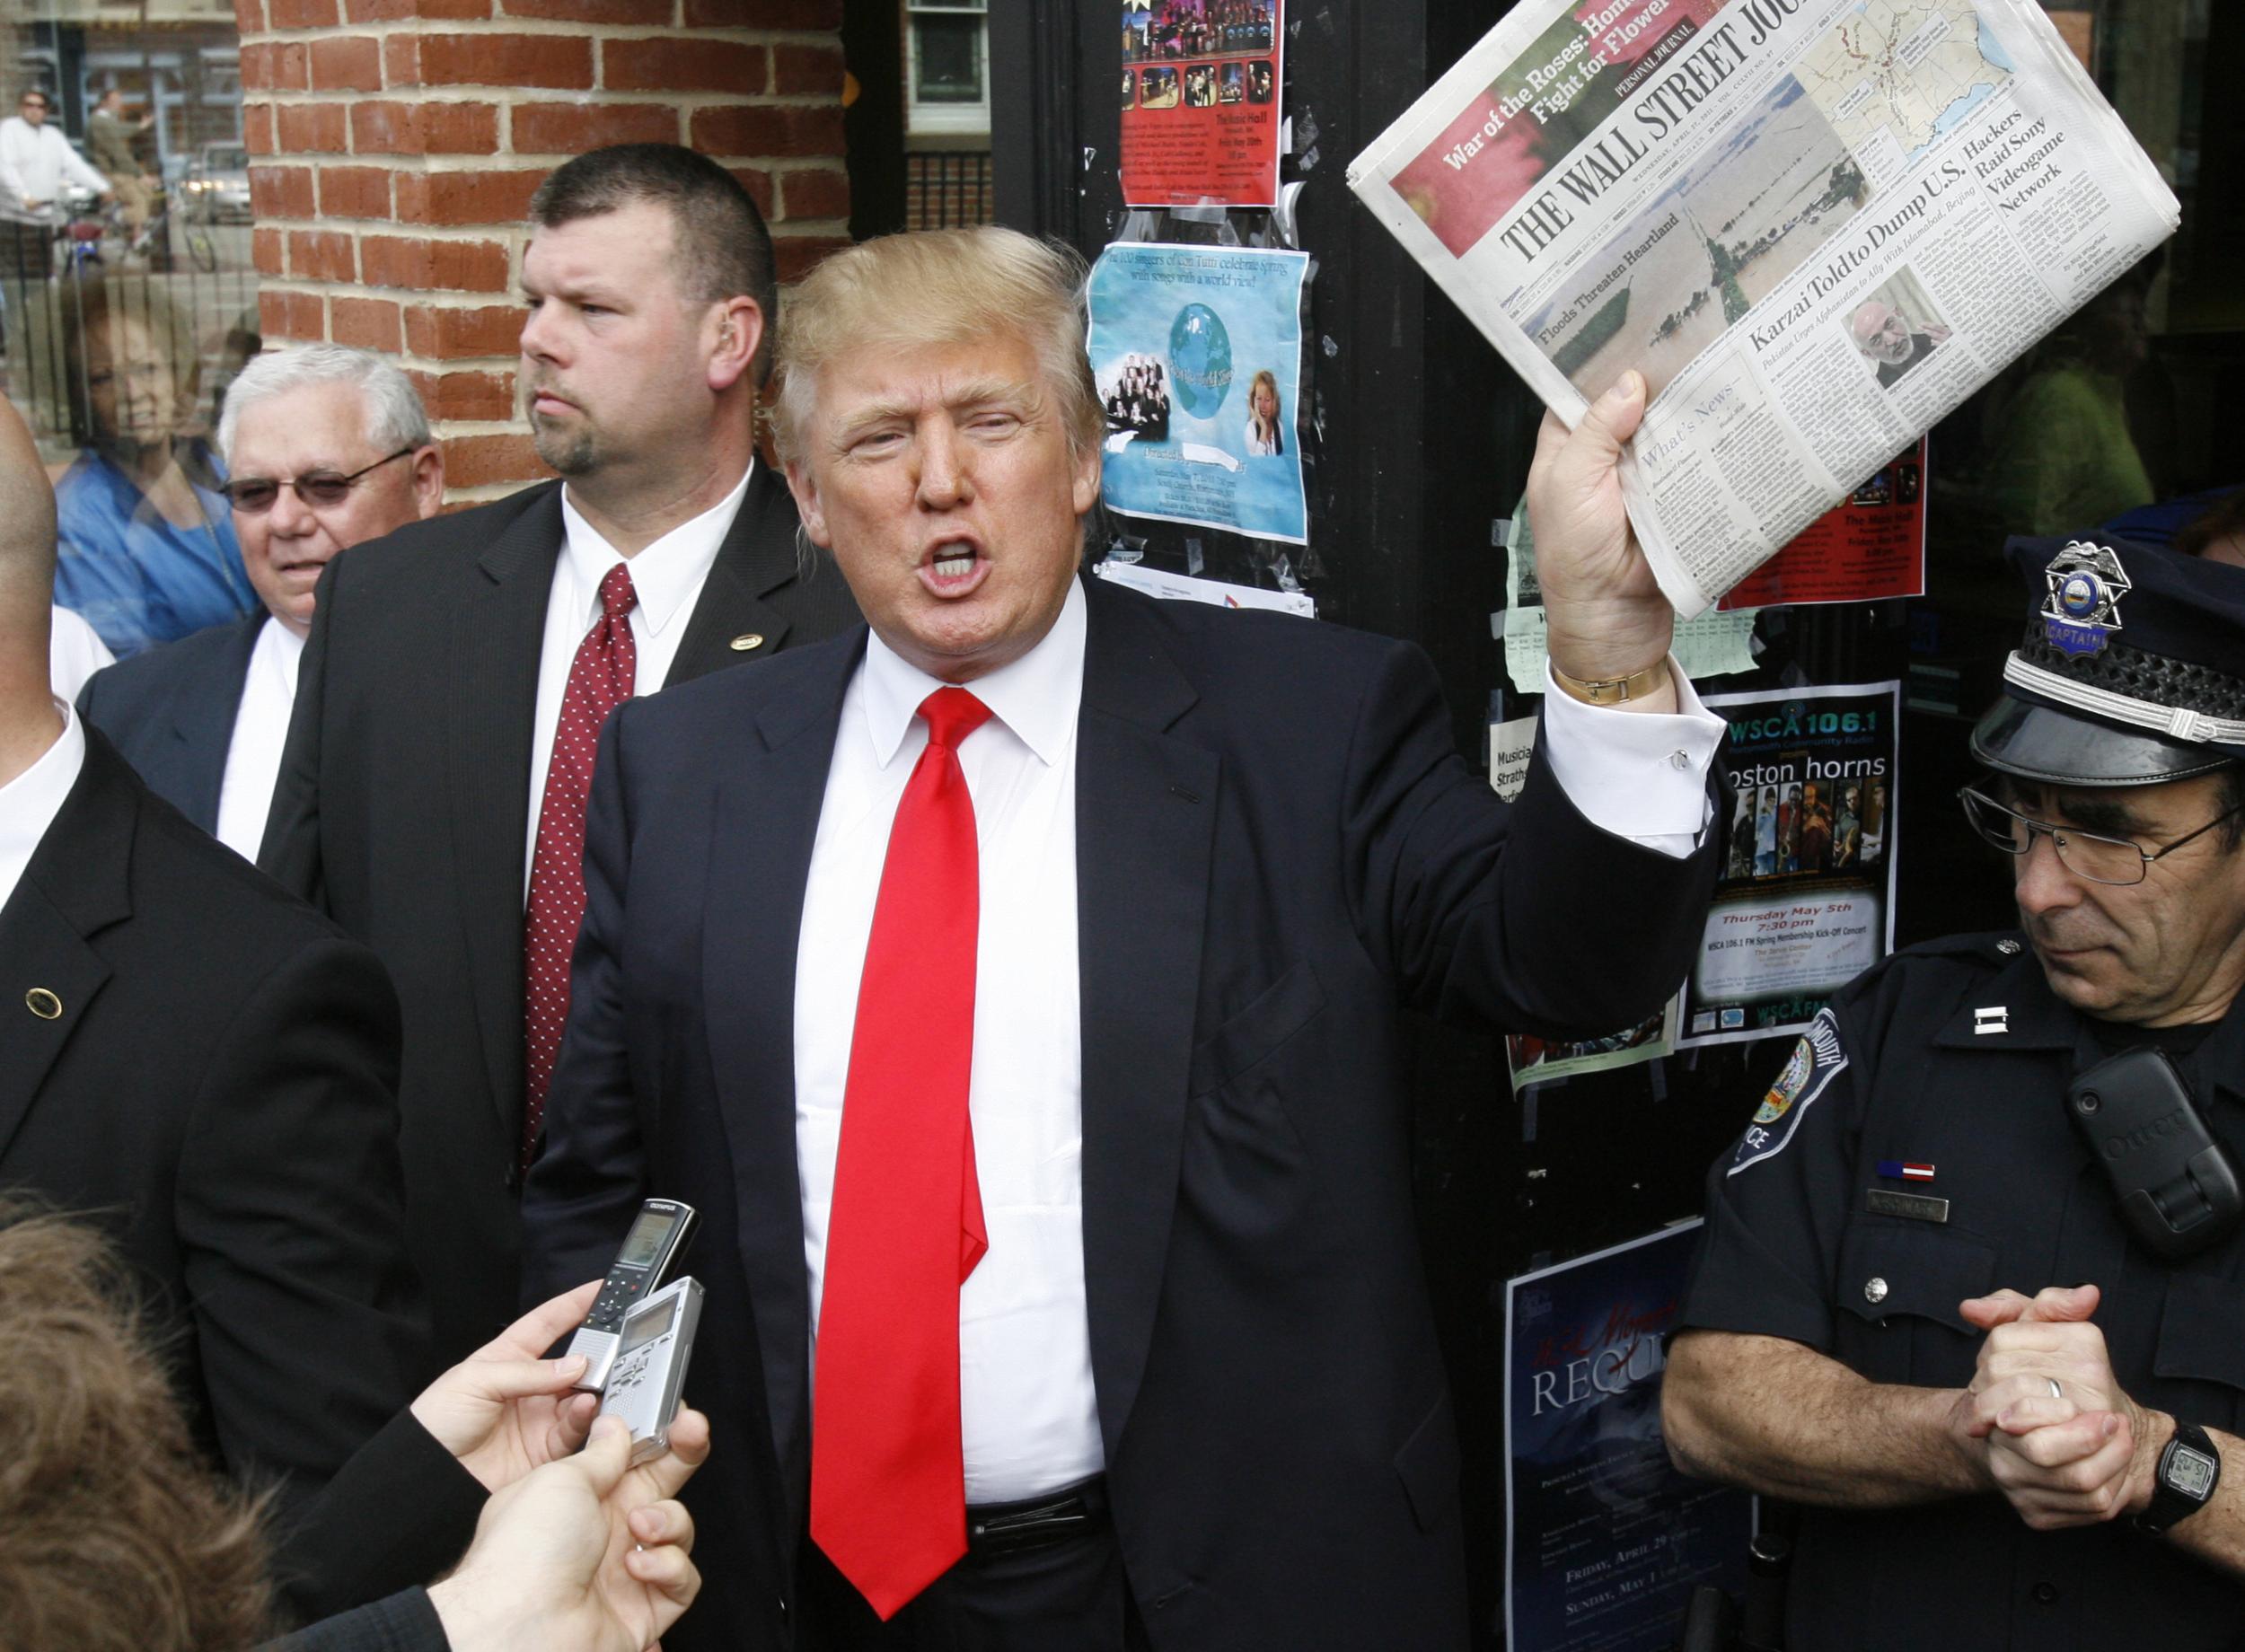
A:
{"points": [[394, 145]]}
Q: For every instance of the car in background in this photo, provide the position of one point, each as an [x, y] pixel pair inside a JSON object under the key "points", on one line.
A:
{"points": [[217, 187]]}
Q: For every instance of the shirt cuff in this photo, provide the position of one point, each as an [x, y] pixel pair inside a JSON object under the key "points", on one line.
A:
{"points": [[1640, 775]]}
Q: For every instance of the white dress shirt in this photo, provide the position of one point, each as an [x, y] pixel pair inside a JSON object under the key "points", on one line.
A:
{"points": [[30, 802], [33, 162], [667, 577], [260, 728], [74, 652], [1028, 1414]]}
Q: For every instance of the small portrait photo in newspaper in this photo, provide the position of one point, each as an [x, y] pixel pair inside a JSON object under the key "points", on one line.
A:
{"points": [[1897, 327]]}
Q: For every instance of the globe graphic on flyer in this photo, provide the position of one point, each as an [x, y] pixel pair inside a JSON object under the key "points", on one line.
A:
{"points": [[1200, 361]]}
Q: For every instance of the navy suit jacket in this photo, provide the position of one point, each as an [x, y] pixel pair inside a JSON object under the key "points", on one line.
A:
{"points": [[1278, 851], [171, 712]]}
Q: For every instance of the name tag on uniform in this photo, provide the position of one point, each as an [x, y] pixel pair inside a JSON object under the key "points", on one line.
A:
{"points": [[1917, 1206]]}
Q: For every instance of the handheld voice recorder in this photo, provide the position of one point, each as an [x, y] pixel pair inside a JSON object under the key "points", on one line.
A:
{"points": [[658, 1237], [649, 1371]]}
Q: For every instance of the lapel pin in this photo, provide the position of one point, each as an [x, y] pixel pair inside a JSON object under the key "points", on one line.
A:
{"points": [[2010, 949], [746, 641], [1995, 1018], [43, 1003]]}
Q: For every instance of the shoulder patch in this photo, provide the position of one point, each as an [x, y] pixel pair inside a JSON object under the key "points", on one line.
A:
{"points": [[1816, 1061]]}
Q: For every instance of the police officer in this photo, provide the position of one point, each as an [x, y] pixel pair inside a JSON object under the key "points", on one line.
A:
{"points": [[1919, 1307]]}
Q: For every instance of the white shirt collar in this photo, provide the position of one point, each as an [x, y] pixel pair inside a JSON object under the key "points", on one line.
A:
{"points": [[667, 573], [1035, 696], [30, 802]]}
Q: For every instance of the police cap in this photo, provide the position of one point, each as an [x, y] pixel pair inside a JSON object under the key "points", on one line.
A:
{"points": [[2132, 670]]}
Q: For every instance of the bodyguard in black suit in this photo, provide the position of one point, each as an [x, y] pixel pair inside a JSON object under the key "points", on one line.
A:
{"points": [[1200, 1401], [432, 690], [196, 1061], [325, 446]]}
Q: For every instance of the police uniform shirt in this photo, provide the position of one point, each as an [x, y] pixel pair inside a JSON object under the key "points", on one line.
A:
{"points": [[1955, 1056]]}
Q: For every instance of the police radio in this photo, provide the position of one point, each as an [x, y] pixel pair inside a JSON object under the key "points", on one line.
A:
{"points": [[658, 1237], [2178, 1189]]}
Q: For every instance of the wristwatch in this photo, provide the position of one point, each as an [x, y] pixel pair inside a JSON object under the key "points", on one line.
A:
{"points": [[2190, 1468], [1616, 690]]}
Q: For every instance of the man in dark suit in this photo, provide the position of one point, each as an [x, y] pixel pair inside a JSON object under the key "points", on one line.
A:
{"points": [[200, 1065], [324, 446], [1015, 990], [433, 786]]}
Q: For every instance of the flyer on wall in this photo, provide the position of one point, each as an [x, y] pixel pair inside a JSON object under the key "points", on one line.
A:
{"points": [[1533, 1060], [1870, 546], [1605, 1541], [1200, 83], [1805, 903], [1197, 353]]}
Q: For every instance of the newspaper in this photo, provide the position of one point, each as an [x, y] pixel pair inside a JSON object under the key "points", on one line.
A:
{"points": [[1815, 225]]}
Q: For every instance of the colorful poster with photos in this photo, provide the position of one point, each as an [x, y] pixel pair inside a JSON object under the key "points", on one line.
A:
{"points": [[1869, 546], [1197, 355], [1805, 901], [1201, 103]]}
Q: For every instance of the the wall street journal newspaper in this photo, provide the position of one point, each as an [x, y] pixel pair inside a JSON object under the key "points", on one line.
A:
{"points": [[1816, 226]]}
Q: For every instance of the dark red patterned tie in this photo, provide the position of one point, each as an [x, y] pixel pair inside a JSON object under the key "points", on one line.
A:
{"points": [[888, 1488], [600, 680]]}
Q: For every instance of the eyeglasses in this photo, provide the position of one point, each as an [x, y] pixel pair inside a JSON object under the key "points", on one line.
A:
{"points": [[34, 101], [254, 496], [2085, 854]]}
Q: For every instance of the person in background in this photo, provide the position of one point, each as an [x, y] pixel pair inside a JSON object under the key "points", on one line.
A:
{"points": [[147, 552], [2062, 453], [112, 145], [120, 1535], [324, 446], [36, 161], [1930, 1307]]}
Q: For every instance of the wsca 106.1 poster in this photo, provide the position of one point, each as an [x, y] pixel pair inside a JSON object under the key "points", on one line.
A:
{"points": [[1197, 352], [1806, 901]]}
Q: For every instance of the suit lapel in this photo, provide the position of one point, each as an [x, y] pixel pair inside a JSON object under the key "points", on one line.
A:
{"points": [[1145, 826], [765, 823], [202, 721], [76, 884], [499, 633], [758, 556]]}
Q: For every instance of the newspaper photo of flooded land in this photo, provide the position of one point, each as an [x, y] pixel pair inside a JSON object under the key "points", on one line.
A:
{"points": [[1689, 266]]}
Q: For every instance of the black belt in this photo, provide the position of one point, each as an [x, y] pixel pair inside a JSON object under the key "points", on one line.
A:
{"points": [[994, 1529]]}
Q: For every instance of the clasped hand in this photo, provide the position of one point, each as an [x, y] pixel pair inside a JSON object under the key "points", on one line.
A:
{"points": [[2073, 1455]]}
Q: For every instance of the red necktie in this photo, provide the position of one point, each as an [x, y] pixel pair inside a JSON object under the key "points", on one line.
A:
{"points": [[888, 1491], [600, 680]]}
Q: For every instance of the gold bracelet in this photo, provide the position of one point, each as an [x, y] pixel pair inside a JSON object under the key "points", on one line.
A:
{"points": [[1616, 690]]}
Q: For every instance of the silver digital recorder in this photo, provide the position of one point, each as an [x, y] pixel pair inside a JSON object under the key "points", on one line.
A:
{"points": [[649, 1369]]}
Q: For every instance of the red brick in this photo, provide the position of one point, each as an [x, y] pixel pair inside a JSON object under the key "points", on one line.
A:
{"points": [[641, 12], [249, 16], [818, 192], [674, 63], [748, 129], [486, 329], [572, 128], [387, 128], [257, 127], [401, 60], [355, 191], [466, 198], [291, 316], [312, 129], [807, 69], [266, 252], [420, 331], [470, 396], [461, 393], [275, 67], [400, 10], [321, 255], [758, 183], [763, 14], [562, 60], [346, 63], [473, 462], [797, 256], [281, 191], [415, 262], [369, 323], [303, 14]]}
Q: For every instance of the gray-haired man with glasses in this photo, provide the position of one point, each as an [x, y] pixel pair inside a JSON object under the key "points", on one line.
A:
{"points": [[325, 447], [1994, 1347]]}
